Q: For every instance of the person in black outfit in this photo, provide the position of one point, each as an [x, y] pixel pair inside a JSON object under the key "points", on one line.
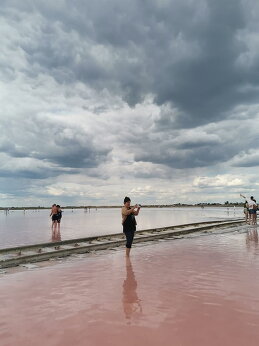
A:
{"points": [[59, 215], [129, 222]]}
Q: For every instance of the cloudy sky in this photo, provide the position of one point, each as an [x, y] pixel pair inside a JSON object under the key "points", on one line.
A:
{"points": [[155, 99]]}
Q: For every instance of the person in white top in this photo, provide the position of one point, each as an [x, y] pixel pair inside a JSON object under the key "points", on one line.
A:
{"points": [[252, 208]]}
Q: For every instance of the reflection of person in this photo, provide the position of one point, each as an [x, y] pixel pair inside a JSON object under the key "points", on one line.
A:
{"points": [[252, 237], [130, 299], [56, 235], [129, 222]]}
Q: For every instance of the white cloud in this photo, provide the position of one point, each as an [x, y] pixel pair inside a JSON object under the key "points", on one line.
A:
{"points": [[219, 181], [96, 105]]}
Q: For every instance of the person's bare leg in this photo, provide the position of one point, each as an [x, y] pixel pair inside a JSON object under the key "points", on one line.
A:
{"points": [[127, 252]]}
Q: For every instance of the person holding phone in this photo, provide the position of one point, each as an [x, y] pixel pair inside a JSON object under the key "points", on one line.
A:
{"points": [[129, 223]]}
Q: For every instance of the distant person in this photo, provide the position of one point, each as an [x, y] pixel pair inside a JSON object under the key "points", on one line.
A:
{"points": [[54, 216], [59, 217], [129, 223], [246, 212], [255, 208], [252, 208]]}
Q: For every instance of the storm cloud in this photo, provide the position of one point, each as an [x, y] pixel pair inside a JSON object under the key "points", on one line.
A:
{"points": [[189, 54], [47, 140], [104, 92]]}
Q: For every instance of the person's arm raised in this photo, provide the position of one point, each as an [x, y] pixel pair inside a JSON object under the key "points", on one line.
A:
{"points": [[128, 211], [137, 211]]}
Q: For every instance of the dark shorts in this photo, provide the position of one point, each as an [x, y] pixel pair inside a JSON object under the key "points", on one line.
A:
{"points": [[54, 217], [129, 233], [129, 238], [252, 211]]}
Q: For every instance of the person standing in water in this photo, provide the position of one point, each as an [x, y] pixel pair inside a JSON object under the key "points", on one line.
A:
{"points": [[129, 223], [59, 215], [246, 212], [54, 215], [252, 208]]}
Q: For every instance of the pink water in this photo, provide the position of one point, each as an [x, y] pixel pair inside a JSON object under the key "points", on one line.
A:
{"points": [[201, 290]]}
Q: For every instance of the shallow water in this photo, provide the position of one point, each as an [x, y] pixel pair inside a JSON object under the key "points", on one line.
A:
{"points": [[30, 227], [195, 291]]}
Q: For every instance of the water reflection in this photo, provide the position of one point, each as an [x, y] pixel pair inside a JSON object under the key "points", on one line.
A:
{"points": [[252, 237], [56, 235], [131, 302]]}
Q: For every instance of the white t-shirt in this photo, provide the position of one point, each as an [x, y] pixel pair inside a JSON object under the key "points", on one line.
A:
{"points": [[251, 203]]}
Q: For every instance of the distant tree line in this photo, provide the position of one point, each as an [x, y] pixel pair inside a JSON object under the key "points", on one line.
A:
{"points": [[227, 203]]}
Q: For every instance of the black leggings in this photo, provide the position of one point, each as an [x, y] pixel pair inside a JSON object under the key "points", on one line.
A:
{"points": [[129, 237]]}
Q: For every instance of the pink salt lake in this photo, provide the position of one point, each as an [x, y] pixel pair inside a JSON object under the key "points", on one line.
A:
{"points": [[194, 291]]}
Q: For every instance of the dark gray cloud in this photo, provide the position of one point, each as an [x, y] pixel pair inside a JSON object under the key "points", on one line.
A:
{"points": [[43, 141], [204, 146], [9, 147], [186, 54], [32, 172], [204, 156], [249, 159]]}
